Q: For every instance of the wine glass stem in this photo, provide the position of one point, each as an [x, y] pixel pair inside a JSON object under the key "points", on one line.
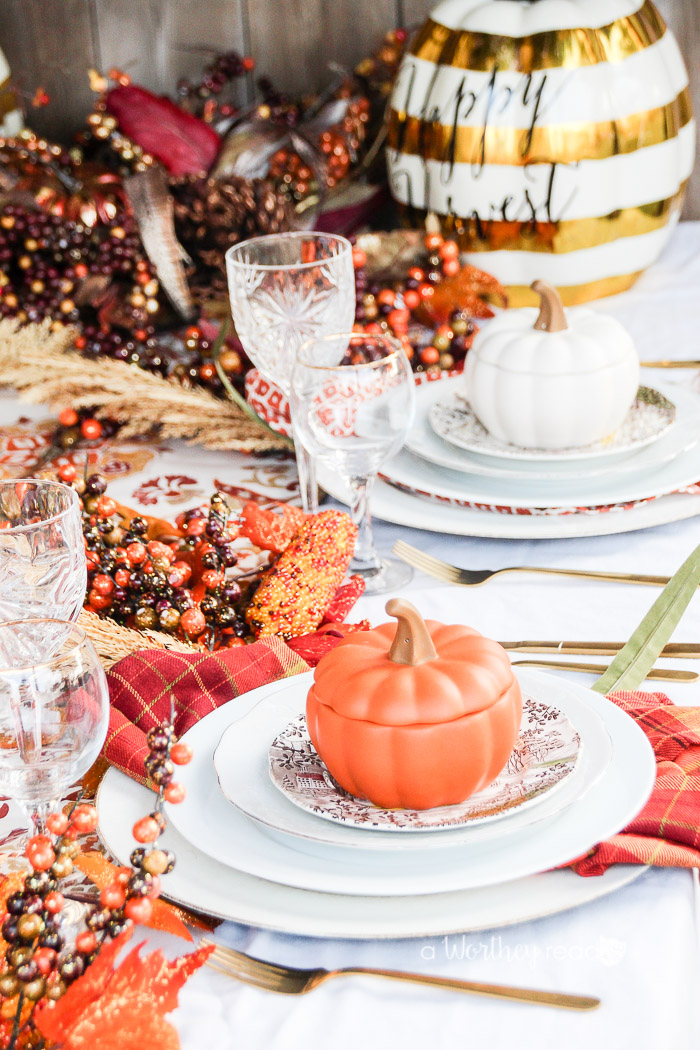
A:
{"points": [[306, 469], [39, 813], [365, 559]]}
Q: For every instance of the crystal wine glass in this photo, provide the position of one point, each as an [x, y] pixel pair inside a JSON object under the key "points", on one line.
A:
{"points": [[43, 571], [353, 403], [286, 289], [54, 708]]}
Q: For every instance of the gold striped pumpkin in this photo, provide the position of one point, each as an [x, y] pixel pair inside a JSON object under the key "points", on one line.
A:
{"points": [[554, 139]]}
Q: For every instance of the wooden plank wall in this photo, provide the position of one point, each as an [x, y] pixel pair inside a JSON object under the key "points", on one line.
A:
{"points": [[52, 43]]}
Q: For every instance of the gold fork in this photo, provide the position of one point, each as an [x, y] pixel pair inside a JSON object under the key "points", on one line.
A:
{"points": [[291, 981], [442, 570]]}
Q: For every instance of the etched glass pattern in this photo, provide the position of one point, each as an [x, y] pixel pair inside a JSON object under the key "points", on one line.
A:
{"points": [[42, 555], [288, 289]]}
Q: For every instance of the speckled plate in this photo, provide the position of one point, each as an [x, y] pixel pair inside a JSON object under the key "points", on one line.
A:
{"points": [[545, 754], [648, 419]]}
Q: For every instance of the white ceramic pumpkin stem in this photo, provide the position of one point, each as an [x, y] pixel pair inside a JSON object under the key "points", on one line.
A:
{"points": [[551, 317], [412, 643]]}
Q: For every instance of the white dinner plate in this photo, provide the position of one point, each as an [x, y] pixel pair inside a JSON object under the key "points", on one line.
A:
{"points": [[423, 442], [213, 826], [241, 762], [200, 883], [452, 418], [389, 503]]}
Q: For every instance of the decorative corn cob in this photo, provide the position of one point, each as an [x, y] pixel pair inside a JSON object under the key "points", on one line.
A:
{"points": [[296, 591]]}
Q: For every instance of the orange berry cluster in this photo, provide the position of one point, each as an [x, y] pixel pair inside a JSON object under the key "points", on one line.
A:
{"points": [[338, 147], [401, 309]]}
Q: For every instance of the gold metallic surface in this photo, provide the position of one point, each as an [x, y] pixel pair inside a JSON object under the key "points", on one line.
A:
{"points": [[543, 144], [443, 570], [574, 294], [8, 99], [476, 235], [555, 48], [288, 980], [564, 665]]}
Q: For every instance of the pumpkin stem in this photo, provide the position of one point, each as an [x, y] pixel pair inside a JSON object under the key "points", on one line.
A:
{"points": [[551, 317], [412, 643]]}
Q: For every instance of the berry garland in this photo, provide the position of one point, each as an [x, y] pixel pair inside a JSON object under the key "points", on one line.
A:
{"points": [[38, 965]]}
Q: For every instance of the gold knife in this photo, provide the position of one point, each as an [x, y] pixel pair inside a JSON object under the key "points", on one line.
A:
{"points": [[564, 665], [670, 364], [674, 650]]}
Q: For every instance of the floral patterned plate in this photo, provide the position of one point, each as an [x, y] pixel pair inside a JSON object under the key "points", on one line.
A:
{"points": [[545, 754], [650, 416]]}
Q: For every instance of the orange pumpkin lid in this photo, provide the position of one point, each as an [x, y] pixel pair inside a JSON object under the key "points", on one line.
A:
{"points": [[412, 672]]}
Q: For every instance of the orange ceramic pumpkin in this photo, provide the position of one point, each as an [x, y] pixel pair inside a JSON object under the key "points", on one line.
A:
{"points": [[414, 715]]}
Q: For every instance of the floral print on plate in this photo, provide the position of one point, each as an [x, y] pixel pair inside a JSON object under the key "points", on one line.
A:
{"points": [[545, 754], [650, 416]]}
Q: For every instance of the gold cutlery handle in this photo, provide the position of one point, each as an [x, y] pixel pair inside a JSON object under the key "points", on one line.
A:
{"points": [[590, 574], [563, 665], [670, 364], [495, 991], [674, 650]]}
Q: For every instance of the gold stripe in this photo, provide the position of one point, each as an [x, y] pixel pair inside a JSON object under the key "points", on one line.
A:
{"points": [[553, 238], [548, 144], [552, 49], [574, 294], [8, 99]]}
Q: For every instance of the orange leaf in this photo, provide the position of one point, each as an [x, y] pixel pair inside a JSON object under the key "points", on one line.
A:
{"points": [[164, 916], [123, 1007], [467, 290], [270, 529]]}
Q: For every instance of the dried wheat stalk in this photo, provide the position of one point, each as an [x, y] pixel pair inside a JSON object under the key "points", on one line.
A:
{"points": [[113, 642], [44, 367]]}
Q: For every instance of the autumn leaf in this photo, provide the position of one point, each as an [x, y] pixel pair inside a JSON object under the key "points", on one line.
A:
{"points": [[164, 916], [468, 290], [122, 1007], [271, 529]]}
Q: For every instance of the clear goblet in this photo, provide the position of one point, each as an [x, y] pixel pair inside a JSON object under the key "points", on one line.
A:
{"points": [[353, 402], [43, 570], [54, 709], [286, 289]]}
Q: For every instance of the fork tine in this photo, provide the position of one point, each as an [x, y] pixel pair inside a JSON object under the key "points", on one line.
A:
{"points": [[426, 563], [404, 550], [230, 957], [268, 984]]}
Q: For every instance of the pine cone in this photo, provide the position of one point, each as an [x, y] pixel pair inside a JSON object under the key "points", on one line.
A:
{"points": [[211, 215]]}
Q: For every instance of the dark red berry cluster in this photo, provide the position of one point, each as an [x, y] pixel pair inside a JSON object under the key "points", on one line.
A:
{"points": [[180, 586]]}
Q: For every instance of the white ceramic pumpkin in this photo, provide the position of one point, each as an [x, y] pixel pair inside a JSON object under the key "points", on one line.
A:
{"points": [[553, 139], [551, 379]]}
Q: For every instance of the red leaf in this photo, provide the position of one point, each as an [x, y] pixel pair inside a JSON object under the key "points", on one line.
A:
{"points": [[344, 599], [183, 143], [311, 647]]}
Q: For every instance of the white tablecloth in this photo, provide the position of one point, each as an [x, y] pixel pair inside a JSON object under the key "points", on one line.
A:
{"points": [[638, 948]]}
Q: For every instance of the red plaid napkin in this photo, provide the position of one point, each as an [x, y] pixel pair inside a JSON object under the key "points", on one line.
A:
{"points": [[141, 685], [667, 831]]}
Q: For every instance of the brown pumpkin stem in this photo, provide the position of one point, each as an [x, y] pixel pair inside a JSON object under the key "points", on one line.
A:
{"points": [[551, 317], [412, 643]]}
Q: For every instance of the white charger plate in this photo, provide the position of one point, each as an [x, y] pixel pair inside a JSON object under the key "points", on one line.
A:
{"points": [[423, 442], [241, 763], [453, 419], [203, 884], [390, 504], [214, 827]]}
